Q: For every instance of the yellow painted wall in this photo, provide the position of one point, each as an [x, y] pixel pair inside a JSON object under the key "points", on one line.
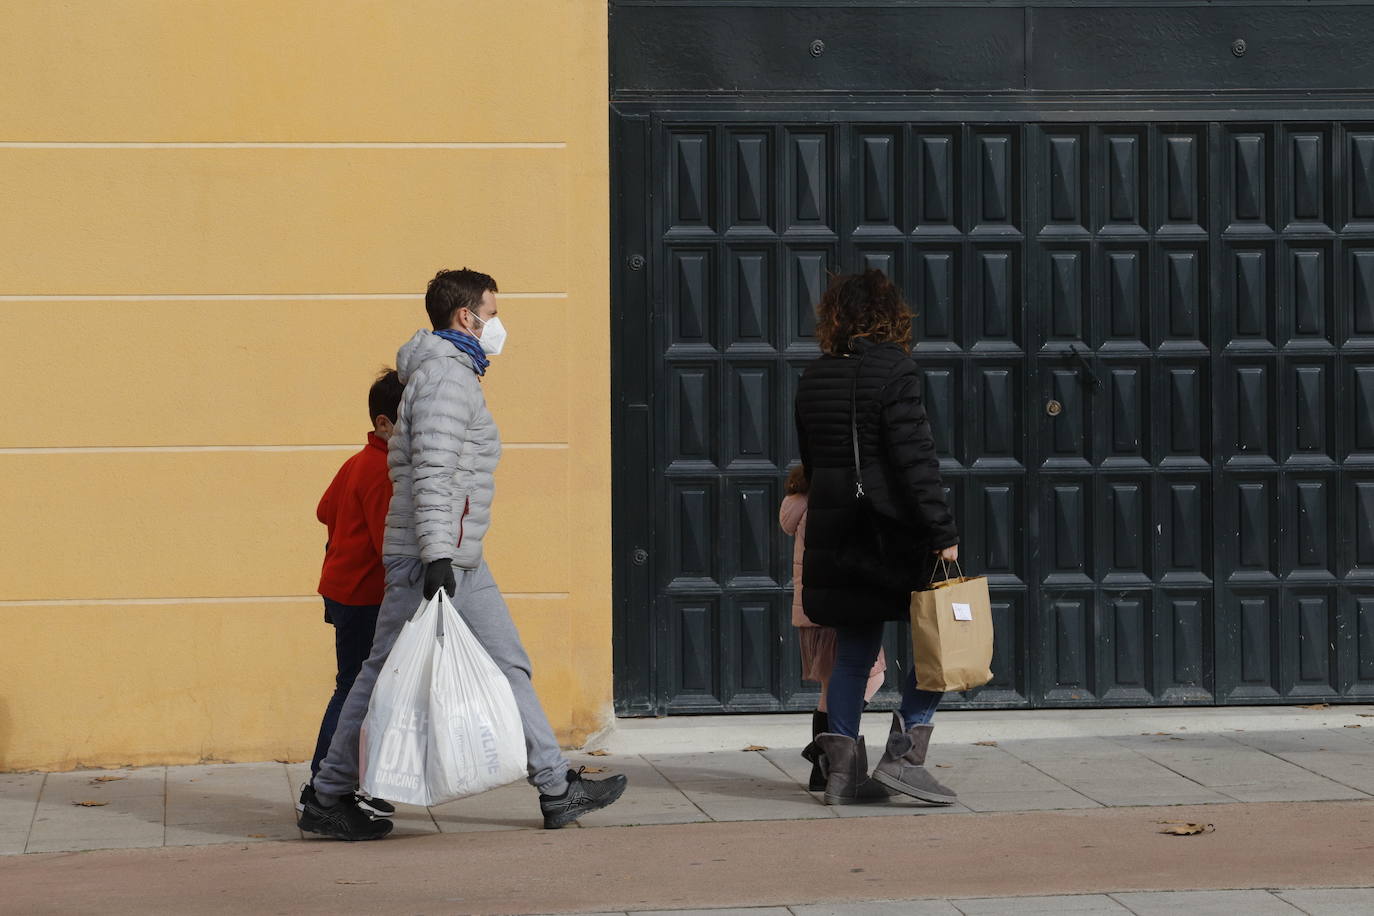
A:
{"points": [[216, 223]]}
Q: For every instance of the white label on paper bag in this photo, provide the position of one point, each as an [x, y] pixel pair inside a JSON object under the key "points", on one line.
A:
{"points": [[963, 612]]}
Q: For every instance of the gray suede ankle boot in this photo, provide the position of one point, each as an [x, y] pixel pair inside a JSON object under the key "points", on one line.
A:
{"points": [[846, 771], [903, 769]]}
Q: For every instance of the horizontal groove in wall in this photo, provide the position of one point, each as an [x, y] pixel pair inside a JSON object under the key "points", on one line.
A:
{"points": [[268, 599], [177, 449], [230, 144], [250, 297]]}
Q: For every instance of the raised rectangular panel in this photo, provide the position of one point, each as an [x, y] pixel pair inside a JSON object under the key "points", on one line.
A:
{"points": [[1127, 295], [1307, 178], [1124, 186], [1189, 407], [1002, 526], [998, 287], [1255, 536], [751, 543], [693, 418], [1309, 295], [806, 281], [1361, 411], [1361, 172], [943, 399], [1007, 650], [879, 176], [751, 181], [1067, 163], [1364, 637], [808, 181], [1126, 557], [939, 176], [1311, 394], [1252, 410], [1129, 647], [1249, 178], [751, 294], [1184, 187], [1360, 295], [1361, 532], [1071, 646], [1068, 295], [695, 662], [937, 283], [691, 181], [1069, 433], [1185, 284], [691, 285], [756, 646], [1069, 526], [1308, 538], [1185, 531], [692, 532], [1183, 626], [1258, 620], [1129, 390], [1315, 643], [886, 260], [997, 180], [1251, 294], [1001, 414], [752, 395]]}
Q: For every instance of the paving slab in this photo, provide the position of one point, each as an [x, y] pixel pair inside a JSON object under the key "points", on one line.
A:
{"points": [[1347, 901], [509, 807], [129, 814], [19, 794], [730, 911], [239, 802], [738, 786], [879, 908], [1238, 770], [1205, 903], [1336, 755], [649, 799], [1109, 773], [1083, 904], [987, 778]]}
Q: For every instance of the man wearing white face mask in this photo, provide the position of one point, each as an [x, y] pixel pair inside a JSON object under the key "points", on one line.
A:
{"points": [[442, 456]]}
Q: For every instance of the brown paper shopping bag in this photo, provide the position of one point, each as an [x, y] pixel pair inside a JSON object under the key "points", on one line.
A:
{"points": [[951, 634]]}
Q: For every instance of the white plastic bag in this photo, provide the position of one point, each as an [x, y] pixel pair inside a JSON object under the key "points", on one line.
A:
{"points": [[442, 723]]}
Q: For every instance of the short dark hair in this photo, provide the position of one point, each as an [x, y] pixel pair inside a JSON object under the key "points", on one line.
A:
{"points": [[384, 397], [861, 305], [451, 290], [797, 482]]}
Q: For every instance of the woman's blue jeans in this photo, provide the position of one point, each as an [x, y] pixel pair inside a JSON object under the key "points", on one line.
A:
{"points": [[856, 650]]}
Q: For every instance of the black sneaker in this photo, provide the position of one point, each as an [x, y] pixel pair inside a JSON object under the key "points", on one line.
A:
{"points": [[583, 796], [376, 806], [345, 820]]}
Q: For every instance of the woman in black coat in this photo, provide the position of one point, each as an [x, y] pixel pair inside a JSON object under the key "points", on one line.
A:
{"points": [[872, 536]]}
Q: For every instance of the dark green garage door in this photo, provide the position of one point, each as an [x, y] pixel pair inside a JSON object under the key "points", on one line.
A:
{"points": [[1149, 358]]}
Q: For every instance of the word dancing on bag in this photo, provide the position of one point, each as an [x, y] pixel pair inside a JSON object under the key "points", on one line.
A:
{"points": [[403, 756]]}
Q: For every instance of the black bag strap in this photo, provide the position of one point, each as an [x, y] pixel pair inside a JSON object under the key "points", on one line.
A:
{"points": [[854, 428]]}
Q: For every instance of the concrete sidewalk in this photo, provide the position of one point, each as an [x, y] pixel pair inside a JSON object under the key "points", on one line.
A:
{"points": [[695, 770]]}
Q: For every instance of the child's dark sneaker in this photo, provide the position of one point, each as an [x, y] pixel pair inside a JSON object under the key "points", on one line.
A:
{"points": [[344, 820], [583, 796]]}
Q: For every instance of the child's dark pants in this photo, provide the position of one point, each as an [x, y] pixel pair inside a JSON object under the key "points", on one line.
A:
{"points": [[353, 629]]}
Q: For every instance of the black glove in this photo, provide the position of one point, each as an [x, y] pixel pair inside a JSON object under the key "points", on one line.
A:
{"points": [[438, 574]]}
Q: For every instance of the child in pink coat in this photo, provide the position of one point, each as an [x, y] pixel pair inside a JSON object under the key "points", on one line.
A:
{"points": [[817, 642]]}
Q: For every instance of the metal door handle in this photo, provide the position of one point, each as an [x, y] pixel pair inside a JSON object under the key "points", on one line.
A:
{"points": [[1086, 374]]}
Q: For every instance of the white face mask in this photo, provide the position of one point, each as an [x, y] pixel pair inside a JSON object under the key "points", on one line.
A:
{"points": [[493, 337]]}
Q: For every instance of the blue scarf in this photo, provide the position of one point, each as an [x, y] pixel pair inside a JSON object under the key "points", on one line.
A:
{"points": [[469, 345]]}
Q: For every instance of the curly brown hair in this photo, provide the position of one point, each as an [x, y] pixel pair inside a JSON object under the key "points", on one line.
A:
{"points": [[861, 305]]}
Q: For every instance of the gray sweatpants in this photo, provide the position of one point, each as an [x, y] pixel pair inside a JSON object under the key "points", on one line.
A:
{"points": [[480, 603]]}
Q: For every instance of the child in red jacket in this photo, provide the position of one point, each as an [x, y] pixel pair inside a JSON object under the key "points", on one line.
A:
{"points": [[352, 581]]}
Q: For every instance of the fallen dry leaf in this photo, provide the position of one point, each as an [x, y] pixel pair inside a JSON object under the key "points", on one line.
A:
{"points": [[1182, 828], [944, 765], [90, 804], [602, 752], [107, 779], [1365, 715], [986, 743], [593, 769], [288, 760], [1317, 706], [349, 881], [1356, 725], [1152, 734], [756, 747], [257, 836]]}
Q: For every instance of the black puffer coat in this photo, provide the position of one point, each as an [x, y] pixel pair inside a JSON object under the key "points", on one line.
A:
{"points": [[901, 477]]}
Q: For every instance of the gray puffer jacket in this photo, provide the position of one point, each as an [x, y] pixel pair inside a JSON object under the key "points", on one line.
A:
{"points": [[442, 457]]}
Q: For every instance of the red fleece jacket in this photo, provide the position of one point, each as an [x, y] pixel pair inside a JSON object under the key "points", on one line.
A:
{"points": [[354, 510]]}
